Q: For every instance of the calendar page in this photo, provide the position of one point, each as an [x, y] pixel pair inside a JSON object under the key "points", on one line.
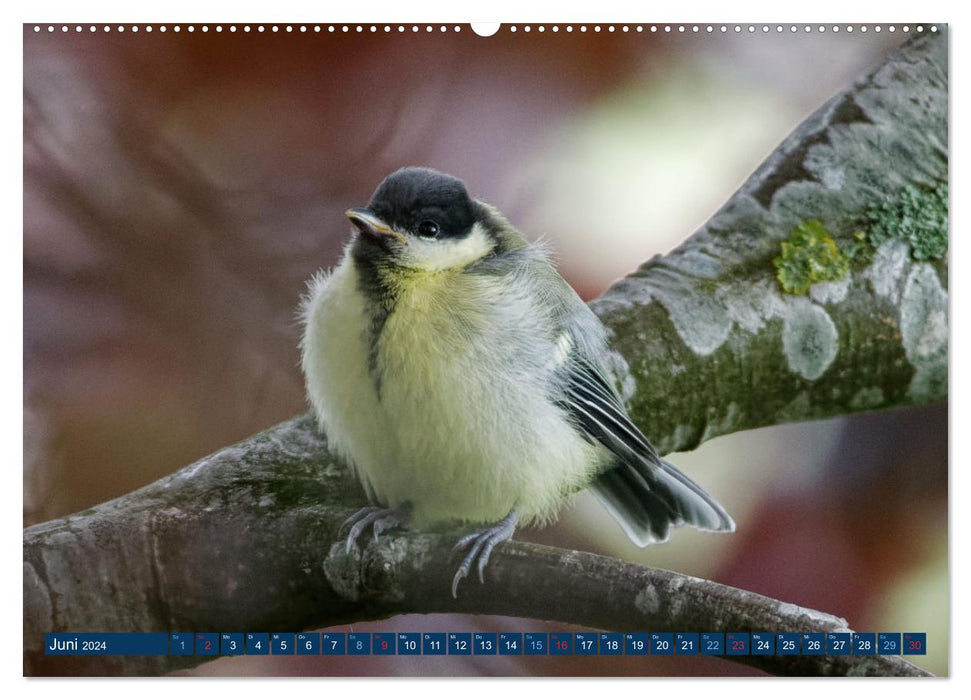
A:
{"points": [[519, 349]]}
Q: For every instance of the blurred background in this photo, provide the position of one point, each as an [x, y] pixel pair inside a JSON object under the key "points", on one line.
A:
{"points": [[180, 188]]}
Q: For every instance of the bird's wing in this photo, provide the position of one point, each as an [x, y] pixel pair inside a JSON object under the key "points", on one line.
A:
{"points": [[646, 494]]}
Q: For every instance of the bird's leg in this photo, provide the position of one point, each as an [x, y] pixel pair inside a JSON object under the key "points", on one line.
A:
{"points": [[380, 519], [483, 542]]}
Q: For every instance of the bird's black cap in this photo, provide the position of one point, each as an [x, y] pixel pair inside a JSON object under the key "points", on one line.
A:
{"points": [[410, 196]]}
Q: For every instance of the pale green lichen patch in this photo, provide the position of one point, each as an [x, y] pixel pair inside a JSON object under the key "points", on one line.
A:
{"points": [[699, 319], [830, 292], [918, 217], [810, 255], [697, 316], [809, 339], [923, 329], [887, 268], [752, 308]]}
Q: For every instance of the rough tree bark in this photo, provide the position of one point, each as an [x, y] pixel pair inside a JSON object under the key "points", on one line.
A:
{"points": [[706, 342]]}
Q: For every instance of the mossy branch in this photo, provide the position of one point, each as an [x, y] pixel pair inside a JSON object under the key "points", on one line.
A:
{"points": [[706, 343], [709, 340]]}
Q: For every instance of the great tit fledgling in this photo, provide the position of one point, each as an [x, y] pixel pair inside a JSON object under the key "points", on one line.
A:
{"points": [[463, 379]]}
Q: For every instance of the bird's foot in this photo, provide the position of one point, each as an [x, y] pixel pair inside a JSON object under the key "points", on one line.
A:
{"points": [[379, 519], [482, 542]]}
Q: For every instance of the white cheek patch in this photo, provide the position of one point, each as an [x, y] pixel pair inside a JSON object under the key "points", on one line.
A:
{"points": [[434, 255]]}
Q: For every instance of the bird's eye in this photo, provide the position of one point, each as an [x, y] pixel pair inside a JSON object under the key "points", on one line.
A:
{"points": [[428, 229]]}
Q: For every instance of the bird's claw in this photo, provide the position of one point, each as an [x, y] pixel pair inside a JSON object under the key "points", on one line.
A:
{"points": [[380, 519], [354, 518], [483, 542]]}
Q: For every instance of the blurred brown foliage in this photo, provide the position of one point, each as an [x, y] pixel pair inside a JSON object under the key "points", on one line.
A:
{"points": [[180, 189]]}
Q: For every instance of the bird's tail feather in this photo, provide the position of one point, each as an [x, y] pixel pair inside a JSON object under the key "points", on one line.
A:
{"points": [[649, 498]]}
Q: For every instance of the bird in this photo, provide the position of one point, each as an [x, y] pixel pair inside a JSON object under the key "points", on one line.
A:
{"points": [[465, 382]]}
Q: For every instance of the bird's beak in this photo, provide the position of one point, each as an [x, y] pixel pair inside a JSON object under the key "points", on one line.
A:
{"points": [[368, 223]]}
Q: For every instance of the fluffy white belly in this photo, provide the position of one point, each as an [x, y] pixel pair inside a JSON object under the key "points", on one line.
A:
{"points": [[462, 427]]}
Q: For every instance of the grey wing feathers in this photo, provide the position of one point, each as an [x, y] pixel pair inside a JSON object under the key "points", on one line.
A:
{"points": [[647, 495]]}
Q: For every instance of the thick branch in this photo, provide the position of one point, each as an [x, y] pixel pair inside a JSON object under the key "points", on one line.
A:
{"points": [[244, 540], [713, 345], [239, 540]]}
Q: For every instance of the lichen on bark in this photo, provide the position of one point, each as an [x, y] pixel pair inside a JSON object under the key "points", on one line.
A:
{"points": [[809, 256], [875, 155], [917, 217]]}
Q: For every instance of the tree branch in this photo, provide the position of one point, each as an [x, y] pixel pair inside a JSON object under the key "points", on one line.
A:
{"points": [[244, 540], [706, 343], [710, 342]]}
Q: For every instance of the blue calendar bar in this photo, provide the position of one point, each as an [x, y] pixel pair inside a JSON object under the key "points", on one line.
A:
{"points": [[585, 644], [536, 643], [915, 643], [282, 644], [207, 644], [257, 644], [636, 643], [106, 643], [433, 644], [763, 644], [662, 643], [333, 643], [181, 644], [231, 643], [686, 643], [737, 643], [359, 643], [813, 643], [308, 644], [611, 644], [487, 643], [510, 643], [459, 643], [712, 643], [787, 644], [561, 643], [383, 643], [864, 643], [838, 643], [888, 643], [409, 643]]}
